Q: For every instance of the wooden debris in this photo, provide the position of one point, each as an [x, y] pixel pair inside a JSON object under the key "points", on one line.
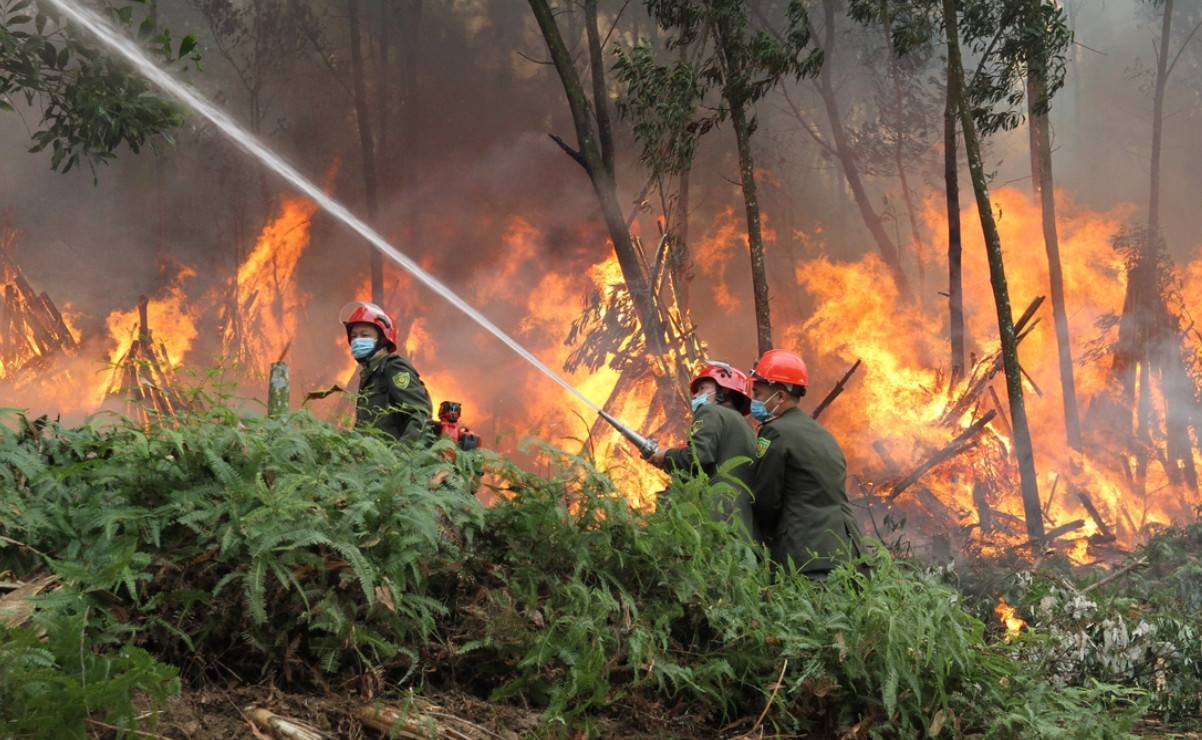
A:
{"points": [[1052, 534], [984, 510], [31, 326], [421, 722], [835, 391], [1137, 563], [985, 370], [285, 727]]}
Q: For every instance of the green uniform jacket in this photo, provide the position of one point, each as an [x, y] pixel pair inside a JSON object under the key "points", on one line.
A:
{"points": [[719, 433], [393, 399], [799, 494]]}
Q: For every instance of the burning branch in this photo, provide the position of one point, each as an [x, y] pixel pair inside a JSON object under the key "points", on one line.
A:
{"points": [[987, 369], [835, 391], [962, 442]]}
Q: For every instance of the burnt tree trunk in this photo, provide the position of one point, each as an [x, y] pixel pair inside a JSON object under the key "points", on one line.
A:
{"points": [[955, 246], [755, 235]]}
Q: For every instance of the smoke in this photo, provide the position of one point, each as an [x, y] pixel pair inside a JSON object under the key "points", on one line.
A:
{"points": [[491, 206]]}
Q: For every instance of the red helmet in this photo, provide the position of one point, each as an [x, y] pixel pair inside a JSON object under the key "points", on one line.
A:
{"points": [[359, 312], [732, 379], [782, 366]]}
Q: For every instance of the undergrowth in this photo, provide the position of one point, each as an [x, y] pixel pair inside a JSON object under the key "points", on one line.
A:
{"points": [[228, 545]]}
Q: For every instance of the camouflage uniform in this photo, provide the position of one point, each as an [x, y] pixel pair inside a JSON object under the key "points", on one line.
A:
{"points": [[393, 399], [799, 495], [720, 434]]}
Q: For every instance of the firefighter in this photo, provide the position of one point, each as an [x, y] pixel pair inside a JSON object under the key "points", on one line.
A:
{"points": [[392, 397], [719, 433], [799, 475]]}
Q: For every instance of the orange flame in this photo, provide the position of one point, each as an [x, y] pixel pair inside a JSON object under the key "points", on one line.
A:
{"points": [[1007, 615]]}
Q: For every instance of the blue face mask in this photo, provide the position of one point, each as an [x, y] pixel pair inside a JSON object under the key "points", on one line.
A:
{"points": [[363, 347], [702, 400], [759, 410]]}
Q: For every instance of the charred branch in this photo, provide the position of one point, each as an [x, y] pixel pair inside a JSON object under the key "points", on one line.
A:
{"points": [[1087, 502], [835, 391]]}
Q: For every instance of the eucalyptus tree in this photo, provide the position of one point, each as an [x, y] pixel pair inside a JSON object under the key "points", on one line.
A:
{"points": [[998, 36], [741, 62], [1043, 53], [262, 42], [89, 102]]}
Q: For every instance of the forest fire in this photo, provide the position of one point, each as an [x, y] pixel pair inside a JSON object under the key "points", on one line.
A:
{"points": [[921, 449]]}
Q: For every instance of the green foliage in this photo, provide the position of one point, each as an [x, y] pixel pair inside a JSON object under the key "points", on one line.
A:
{"points": [[741, 62], [90, 103], [280, 538], [661, 102], [1141, 633], [50, 687], [1010, 40], [284, 547]]}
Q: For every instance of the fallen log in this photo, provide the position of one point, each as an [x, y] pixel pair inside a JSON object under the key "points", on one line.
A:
{"points": [[1138, 563], [961, 443]]}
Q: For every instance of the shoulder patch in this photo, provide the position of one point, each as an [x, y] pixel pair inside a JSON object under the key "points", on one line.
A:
{"points": [[761, 446], [401, 379], [696, 427]]}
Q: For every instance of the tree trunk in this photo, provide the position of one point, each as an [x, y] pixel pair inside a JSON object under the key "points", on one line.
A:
{"points": [[1041, 176], [889, 252], [1001, 293], [755, 236], [600, 94], [955, 247], [589, 156], [1158, 115], [366, 148]]}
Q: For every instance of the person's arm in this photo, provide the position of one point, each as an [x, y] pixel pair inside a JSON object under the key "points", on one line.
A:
{"points": [[702, 447]]}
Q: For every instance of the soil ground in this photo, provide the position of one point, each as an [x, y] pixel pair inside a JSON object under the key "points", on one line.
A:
{"points": [[218, 713]]}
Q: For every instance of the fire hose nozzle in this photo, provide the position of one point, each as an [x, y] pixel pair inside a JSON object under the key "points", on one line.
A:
{"points": [[647, 445]]}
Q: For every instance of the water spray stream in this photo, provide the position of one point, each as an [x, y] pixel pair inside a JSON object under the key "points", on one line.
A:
{"points": [[109, 36]]}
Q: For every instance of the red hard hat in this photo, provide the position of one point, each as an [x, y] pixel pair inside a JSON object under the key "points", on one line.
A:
{"points": [[732, 379], [781, 366], [359, 312]]}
